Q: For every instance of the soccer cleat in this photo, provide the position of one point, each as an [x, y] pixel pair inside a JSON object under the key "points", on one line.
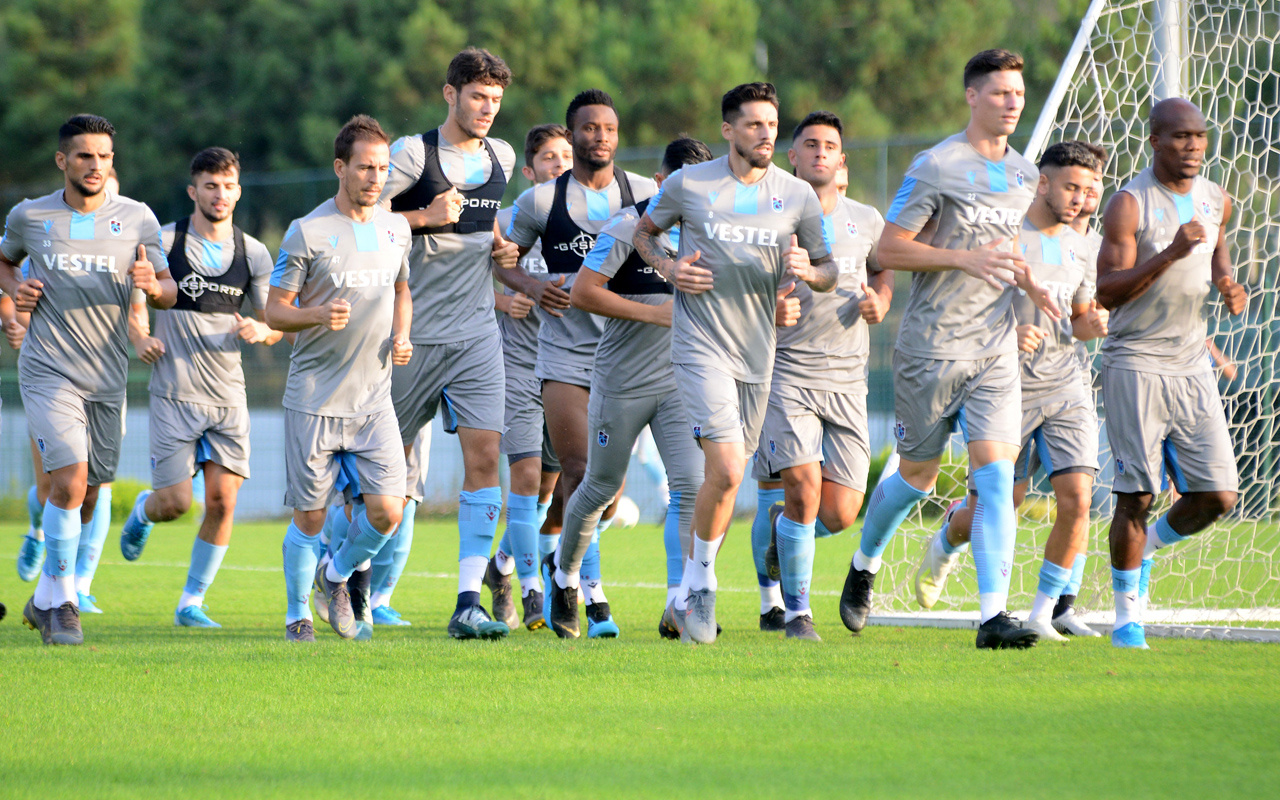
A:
{"points": [[855, 598], [364, 631], [772, 567], [600, 624], [193, 617], [3, 611], [341, 618], [30, 558], [547, 569], [774, 620], [36, 619], [88, 603], [473, 622], [386, 615], [802, 628], [133, 537], [1069, 624], [299, 631], [1045, 630], [64, 625], [931, 578], [1003, 631], [560, 606], [700, 617], [358, 590], [533, 619], [504, 604], [1131, 636], [671, 626]]}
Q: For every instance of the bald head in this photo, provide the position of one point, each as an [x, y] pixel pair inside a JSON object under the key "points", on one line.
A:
{"points": [[1179, 138], [1175, 113]]}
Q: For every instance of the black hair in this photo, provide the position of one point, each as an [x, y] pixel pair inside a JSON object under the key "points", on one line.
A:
{"points": [[214, 161], [682, 151], [590, 97], [474, 65], [360, 128], [81, 124], [825, 118], [540, 135], [989, 61], [1069, 154], [733, 100]]}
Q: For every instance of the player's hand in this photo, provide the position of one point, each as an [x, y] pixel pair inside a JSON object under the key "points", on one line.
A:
{"points": [[149, 349], [662, 314], [1095, 320], [550, 297], [999, 268], [1030, 337], [401, 350], [506, 254], [250, 330], [15, 332], [787, 312], [445, 209], [795, 260], [335, 314], [690, 278], [521, 305], [143, 274], [872, 307], [1039, 295], [29, 293], [1185, 240], [1233, 294]]}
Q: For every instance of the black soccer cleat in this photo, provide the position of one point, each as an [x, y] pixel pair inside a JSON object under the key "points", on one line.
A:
{"points": [[359, 587], [504, 604], [855, 598], [1003, 631], [561, 604], [774, 620], [64, 625], [802, 628]]}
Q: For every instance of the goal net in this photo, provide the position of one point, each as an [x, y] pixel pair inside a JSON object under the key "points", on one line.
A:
{"points": [[1224, 56]]}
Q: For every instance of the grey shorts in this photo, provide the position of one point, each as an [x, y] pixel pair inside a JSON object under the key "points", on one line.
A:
{"points": [[184, 435], [721, 408], [550, 461], [355, 456], [467, 377], [69, 429], [1062, 437], [1172, 420], [804, 426], [523, 417], [933, 398], [563, 366], [615, 423]]}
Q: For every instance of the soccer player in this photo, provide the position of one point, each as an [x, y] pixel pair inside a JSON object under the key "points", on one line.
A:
{"points": [[814, 452], [1164, 243], [448, 184], [199, 412], [955, 224], [341, 284], [547, 155], [743, 224], [632, 386], [88, 248], [1059, 423], [565, 216]]}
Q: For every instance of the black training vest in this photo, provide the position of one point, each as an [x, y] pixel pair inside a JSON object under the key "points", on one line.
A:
{"points": [[564, 244], [196, 292], [635, 276], [479, 205]]}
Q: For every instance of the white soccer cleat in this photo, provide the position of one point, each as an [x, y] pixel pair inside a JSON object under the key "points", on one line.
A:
{"points": [[1068, 623], [1044, 627], [931, 578]]}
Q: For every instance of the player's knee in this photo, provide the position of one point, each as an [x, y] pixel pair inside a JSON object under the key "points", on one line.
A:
{"points": [[385, 519], [219, 503], [1212, 505], [1135, 507], [169, 506]]}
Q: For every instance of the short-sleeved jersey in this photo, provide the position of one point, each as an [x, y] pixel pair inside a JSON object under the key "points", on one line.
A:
{"points": [[328, 256], [78, 332], [955, 199], [201, 361], [1062, 266], [634, 358], [520, 336], [576, 332], [742, 230], [1163, 330], [828, 348], [449, 277]]}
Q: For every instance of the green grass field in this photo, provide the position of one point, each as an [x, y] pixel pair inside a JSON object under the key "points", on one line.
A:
{"points": [[148, 710]]}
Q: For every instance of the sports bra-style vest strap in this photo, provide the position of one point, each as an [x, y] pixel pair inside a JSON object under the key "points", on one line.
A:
{"points": [[635, 276], [480, 205], [221, 295], [564, 244]]}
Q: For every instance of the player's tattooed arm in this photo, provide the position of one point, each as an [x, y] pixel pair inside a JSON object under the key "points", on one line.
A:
{"points": [[284, 316], [645, 241], [820, 275], [1120, 279], [1233, 294]]}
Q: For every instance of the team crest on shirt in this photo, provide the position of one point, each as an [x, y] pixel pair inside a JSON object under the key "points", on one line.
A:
{"points": [[777, 203], [697, 434], [852, 228], [1017, 176], [115, 226], [40, 443], [1071, 254], [602, 438], [900, 431], [773, 448], [48, 225], [1120, 465], [1204, 206], [391, 236], [333, 240]]}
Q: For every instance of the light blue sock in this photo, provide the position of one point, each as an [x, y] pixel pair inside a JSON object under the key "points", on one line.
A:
{"points": [[301, 555], [35, 511], [389, 563], [994, 528], [205, 560], [1124, 581], [543, 508], [822, 531], [522, 535], [93, 535], [478, 513], [671, 542], [1166, 532], [61, 540], [890, 503], [1053, 579], [335, 529], [362, 543], [765, 499], [504, 544], [590, 570], [1077, 576], [795, 556]]}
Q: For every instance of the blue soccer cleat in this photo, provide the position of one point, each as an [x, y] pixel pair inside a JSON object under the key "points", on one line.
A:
{"points": [[600, 624], [88, 604], [193, 617], [364, 631], [1131, 636], [386, 615], [134, 535], [30, 558]]}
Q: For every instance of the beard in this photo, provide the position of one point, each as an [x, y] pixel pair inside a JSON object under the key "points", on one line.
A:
{"points": [[85, 191], [213, 216], [590, 160], [755, 159]]}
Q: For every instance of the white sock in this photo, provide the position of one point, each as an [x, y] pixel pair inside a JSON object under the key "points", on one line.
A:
{"points": [[378, 600], [770, 597], [365, 566], [332, 574], [504, 562], [672, 591], [804, 612], [682, 591], [703, 572], [196, 600], [564, 580], [533, 584], [140, 508], [1128, 609], [64, 591], [36, 533], [992, 603], [867, 564], [1042, 606], [471, 573], [43, 598], [593, 591], [84, 585]]}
